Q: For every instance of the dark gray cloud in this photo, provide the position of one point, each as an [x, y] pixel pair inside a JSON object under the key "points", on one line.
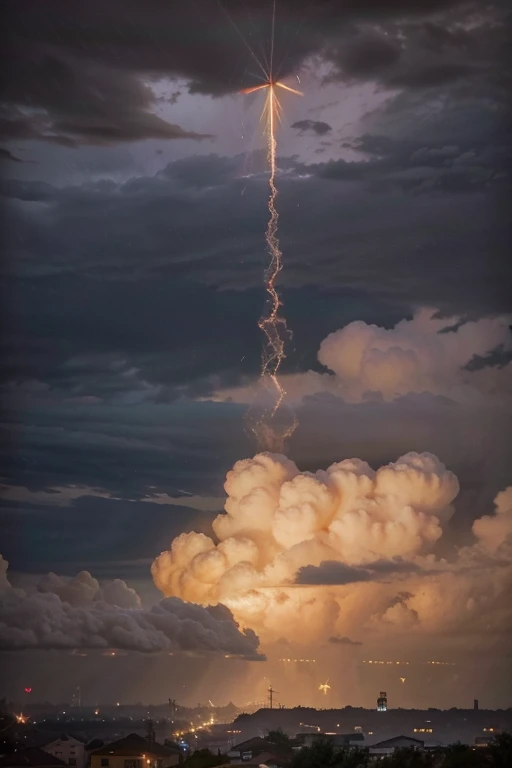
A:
{"points": [[6, 155], [117, 107], [150, 253], [78, 613], [315, 126], [112, 537], [367, 56], [94, 65], [443, 165], [332, 572], [431, 53], [336, 640]]}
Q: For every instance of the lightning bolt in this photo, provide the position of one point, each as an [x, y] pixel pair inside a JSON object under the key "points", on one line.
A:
{"points": [[267, 424], [268, 432]]}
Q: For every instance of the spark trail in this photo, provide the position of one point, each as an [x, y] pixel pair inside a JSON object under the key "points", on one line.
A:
{"points": [[271, 431]]}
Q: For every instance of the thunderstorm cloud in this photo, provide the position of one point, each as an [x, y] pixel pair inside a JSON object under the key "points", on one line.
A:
{"points": [[343, 550]]}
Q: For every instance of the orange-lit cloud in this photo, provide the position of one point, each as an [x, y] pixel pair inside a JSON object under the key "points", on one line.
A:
{"points": [[308, 556]]}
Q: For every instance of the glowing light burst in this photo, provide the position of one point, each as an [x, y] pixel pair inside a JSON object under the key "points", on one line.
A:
{"points": [[325, 688], [269, 433]]}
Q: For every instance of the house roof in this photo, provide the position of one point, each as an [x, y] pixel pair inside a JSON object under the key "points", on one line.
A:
{"points": [[94, 744], [33, 757], [395, 740], [262, 758], [257, 743], [66, 737], [133, 745]]}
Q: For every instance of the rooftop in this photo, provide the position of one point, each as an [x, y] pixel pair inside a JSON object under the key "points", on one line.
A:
{"points": [[133, 745]]}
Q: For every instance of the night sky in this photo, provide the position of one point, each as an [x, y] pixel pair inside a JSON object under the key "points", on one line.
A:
{"points": [[134, 206]]}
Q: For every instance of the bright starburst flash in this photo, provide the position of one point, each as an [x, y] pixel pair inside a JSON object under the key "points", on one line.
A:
{"points": [[269, 434], [325, 688]]}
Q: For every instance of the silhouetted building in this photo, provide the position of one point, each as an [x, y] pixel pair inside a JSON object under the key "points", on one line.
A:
{"points": [[475, 705], [258, 751], [338, 739], [134, 751], [68, 749], [388, 746]]}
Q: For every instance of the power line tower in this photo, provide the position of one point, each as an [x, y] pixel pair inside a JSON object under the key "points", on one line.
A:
{"points": [[271, 697]]}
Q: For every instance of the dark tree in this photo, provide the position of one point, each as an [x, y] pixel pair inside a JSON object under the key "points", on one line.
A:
{"points": [[280, 739], [461, 756], [408, 757], [500, 752], [323, 754], [203, 758]]}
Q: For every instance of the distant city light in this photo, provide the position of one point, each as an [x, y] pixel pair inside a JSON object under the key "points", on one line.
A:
{"points": [[303, 661]]}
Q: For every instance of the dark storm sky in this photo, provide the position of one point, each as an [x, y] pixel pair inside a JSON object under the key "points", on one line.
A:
{"points": [[134, 210]]}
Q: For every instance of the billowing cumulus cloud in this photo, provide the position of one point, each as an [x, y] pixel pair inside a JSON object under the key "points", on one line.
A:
{"points": [[442, 356], [495, 530], [425, 353], [340, 551], [65, 613]]}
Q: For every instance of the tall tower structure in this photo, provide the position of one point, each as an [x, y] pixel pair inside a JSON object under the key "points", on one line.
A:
{"points": [[76, 699], [382, 702], [271, 697]]}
